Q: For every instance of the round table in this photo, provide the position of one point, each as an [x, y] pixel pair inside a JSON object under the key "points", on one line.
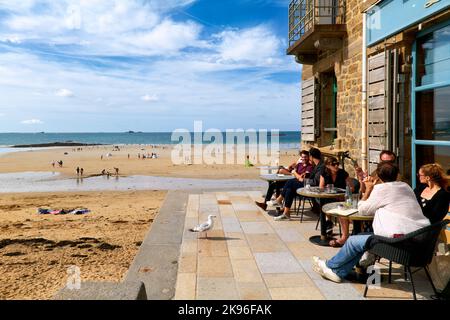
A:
{"points": [[315, 192], [353, 217], [276, 177]]}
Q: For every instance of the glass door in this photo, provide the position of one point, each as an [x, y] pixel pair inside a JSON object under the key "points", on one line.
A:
{"points": [[431, 99]]}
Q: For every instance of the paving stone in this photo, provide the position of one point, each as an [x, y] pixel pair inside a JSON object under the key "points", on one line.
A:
{"points": [[226, 211], [244, 206], [296, 293], [231, 224], [217, 289], [338, 291], [256, 227], [290, 235], [250, 216], [236, 239], [217, 267], [268, 242], [186, 286], [253, 291], [287, 280], [246, 271], [240, 253], [303, 250], [187, 263], [189, 246], [213, 248], [277, 262]]}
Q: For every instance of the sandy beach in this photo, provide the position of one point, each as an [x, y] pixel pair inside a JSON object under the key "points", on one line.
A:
{"points": [[36, 250], [90, 159]]}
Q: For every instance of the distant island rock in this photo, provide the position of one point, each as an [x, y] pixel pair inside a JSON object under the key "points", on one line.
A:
{"points": [[56, 144]]}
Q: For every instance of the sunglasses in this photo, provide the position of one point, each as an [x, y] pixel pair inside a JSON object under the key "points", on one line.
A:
{"points": [[335, 164]]}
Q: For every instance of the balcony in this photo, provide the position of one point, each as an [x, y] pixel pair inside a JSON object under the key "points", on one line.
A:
{"points": [[314, 26]]}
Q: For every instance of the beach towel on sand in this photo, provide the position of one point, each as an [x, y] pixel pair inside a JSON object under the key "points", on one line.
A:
{"points": [[63, 211]]}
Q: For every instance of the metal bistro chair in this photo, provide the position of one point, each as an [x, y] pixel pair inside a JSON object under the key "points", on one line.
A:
{"points": [[415, 249]]}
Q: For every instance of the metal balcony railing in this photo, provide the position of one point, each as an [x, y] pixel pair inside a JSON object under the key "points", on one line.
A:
{"points": [[304, 14]]}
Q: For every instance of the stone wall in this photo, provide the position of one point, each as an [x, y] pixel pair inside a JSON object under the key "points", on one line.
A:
{"points": [[347, 64]]}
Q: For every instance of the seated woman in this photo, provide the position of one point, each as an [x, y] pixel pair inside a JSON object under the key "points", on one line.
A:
{"points": [[340, 179], [432, 192]]}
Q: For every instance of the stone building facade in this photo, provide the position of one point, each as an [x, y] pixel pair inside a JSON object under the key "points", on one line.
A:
{"points": [[374, 79], [338, 115]]}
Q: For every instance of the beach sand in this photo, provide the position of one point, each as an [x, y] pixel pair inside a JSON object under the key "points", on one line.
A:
{"points": [[36, 250], [90, 160]]}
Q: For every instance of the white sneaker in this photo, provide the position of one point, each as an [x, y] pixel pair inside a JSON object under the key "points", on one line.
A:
{"points": [[321, 268], [367, 259], [273, 203], [282, 217]]}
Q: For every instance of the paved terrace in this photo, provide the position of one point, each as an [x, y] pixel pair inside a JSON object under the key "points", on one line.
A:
{"points": [[249, 256]]}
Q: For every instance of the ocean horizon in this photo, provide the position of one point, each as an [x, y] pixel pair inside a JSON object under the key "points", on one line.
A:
{"points": [[287, 139]]}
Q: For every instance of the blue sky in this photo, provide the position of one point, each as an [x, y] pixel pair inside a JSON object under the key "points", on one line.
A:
{"points": [[146, 65]]}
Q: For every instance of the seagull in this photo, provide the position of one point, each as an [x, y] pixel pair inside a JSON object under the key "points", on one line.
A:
{"points": [[205, 226]]}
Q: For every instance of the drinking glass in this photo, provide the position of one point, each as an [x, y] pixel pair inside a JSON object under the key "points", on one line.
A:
{"points": [[355, 200], [330, 188], [307, 184]]}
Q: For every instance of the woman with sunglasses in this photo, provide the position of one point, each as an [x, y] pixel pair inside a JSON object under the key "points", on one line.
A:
{"points": [[432, 192], [339, 178]]}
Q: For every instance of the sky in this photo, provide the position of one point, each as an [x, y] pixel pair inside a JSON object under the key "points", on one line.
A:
{"points": [[146, 65]]}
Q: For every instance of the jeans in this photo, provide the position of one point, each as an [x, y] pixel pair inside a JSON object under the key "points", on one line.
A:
{"points": [[290, 191], [348, 256], [274, 186]]}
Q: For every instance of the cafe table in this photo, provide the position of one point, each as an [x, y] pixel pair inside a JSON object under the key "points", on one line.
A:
{"points": [[330, 210], [320, 195]]}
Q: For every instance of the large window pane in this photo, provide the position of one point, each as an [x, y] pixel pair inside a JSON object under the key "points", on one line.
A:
{"points": [[433, 114], [433, 154], [433, 54]]}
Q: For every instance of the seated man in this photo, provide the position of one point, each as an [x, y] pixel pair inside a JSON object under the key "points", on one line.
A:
{"points": [[298, 169], [396, 212]]}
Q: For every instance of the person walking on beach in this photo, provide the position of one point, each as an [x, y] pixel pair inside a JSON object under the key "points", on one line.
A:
{"points": [[101, 157], [117, 171], [81, 171], [53, 163], [60, 162], [128, 156], [78, 171]]}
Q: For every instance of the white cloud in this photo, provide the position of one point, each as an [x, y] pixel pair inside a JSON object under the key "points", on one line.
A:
{"points": [[101, 27], [150, 98], [32, 121], [65, 93], [257, 45]]}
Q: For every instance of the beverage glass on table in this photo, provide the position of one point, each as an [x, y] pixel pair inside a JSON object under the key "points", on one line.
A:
{"points": [[307, 184], [330, 188], [355, 200]]}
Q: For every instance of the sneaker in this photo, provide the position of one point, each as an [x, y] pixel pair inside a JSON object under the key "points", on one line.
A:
{"points": [[273, 203], [367, 259], [261, 205], [321, 268], [282, 217]]}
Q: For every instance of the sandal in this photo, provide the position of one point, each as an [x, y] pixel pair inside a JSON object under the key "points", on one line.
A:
{"points": [[336, 243]]}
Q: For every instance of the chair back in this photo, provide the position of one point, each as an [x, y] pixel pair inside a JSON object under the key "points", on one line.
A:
{"points": [[416, 249]]}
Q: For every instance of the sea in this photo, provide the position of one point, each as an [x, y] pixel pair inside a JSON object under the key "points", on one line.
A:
{"points": [[287, 139]]}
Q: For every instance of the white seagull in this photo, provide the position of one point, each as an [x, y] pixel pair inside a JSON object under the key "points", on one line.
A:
{"points": [[205, 226]]}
